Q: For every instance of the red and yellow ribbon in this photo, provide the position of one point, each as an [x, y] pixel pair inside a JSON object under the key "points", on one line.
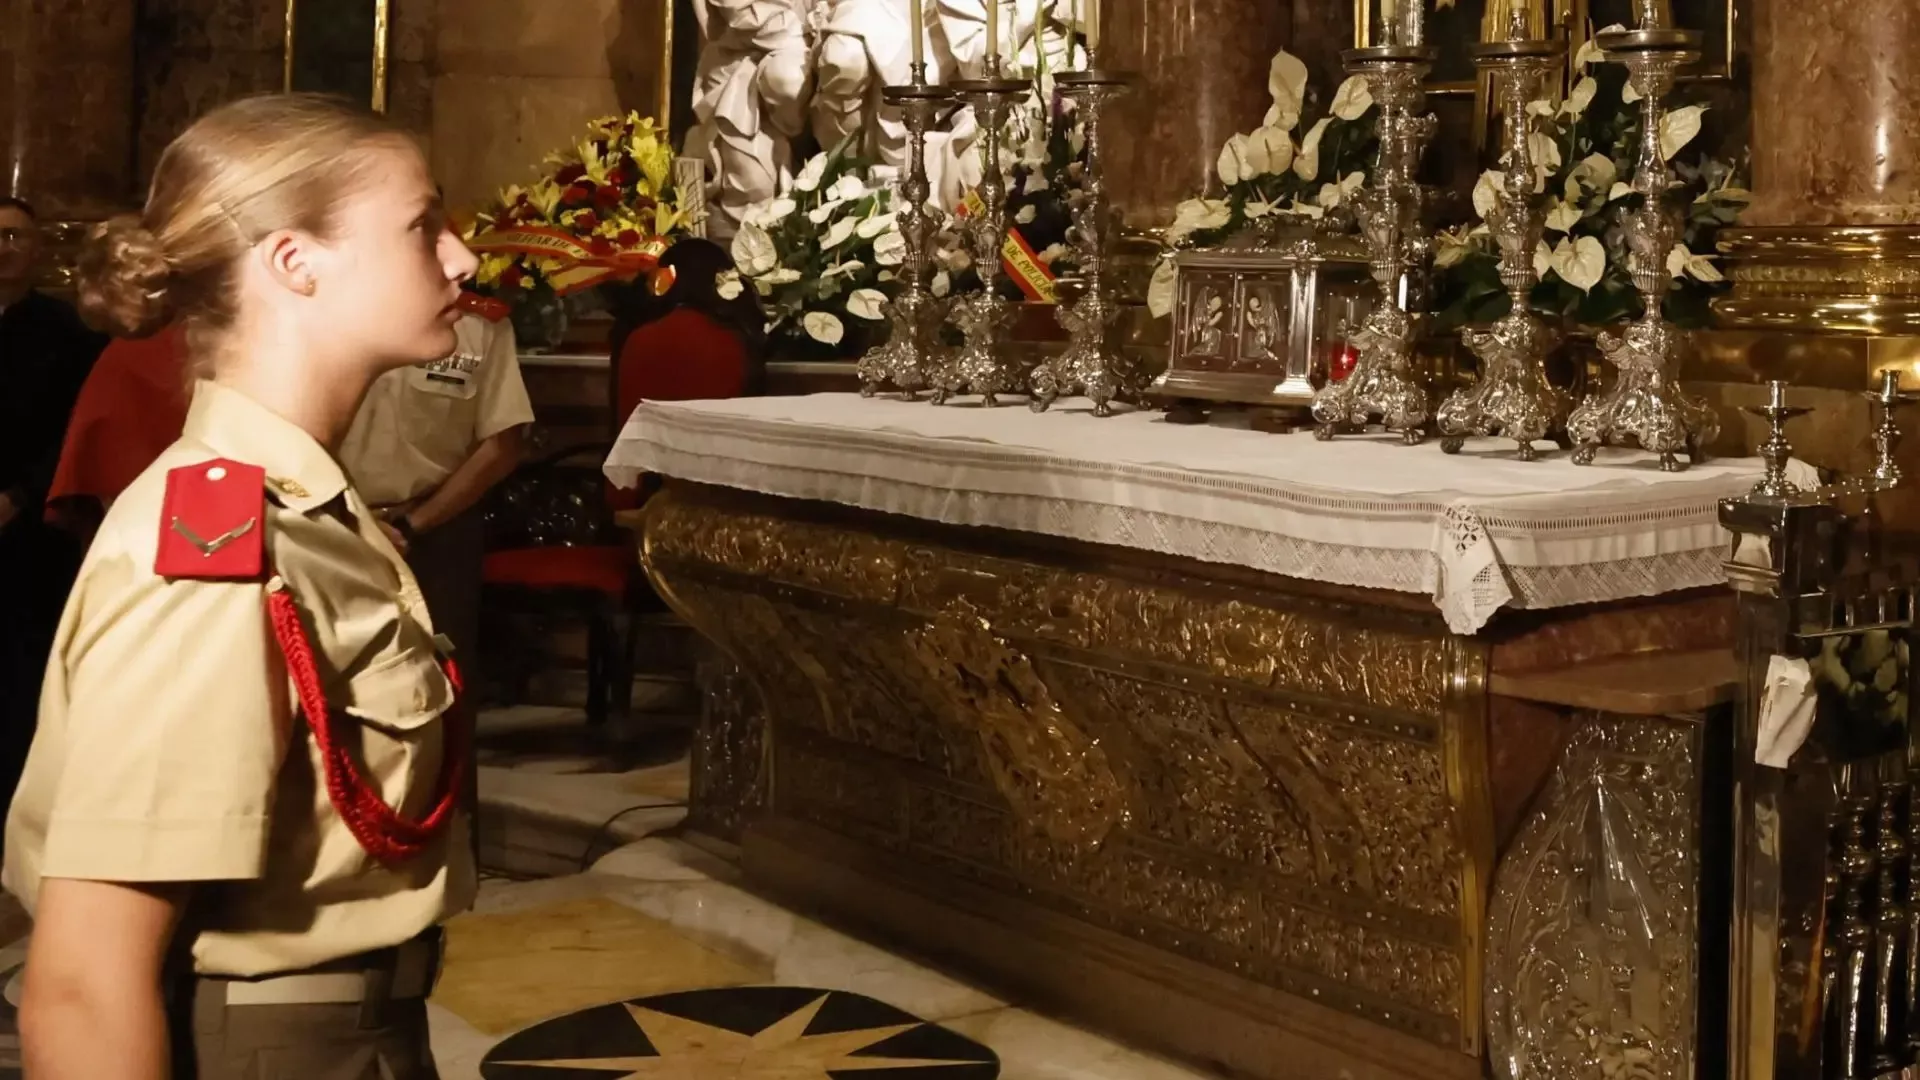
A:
{"points": [[1017, 257], [580, 268]]}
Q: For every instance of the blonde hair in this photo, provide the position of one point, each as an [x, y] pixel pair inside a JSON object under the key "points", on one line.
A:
{"points": [[246, 169]]}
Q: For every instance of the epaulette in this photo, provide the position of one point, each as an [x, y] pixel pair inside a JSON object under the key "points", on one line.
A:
{"points": [[212, 525], [486, 307]]}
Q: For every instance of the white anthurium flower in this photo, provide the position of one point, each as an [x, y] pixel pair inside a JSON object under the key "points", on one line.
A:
{"points": [[942, 284], [1332, 195], [1542, 259], [1580, 261], [1036, 183], [811, 175], [839, 233], [753, 250], [1540, 107], [727, 285], [1619, 191], [1563, 216], [1233, 165], [1197, 215], [847, 188], [1678, 128], [785, 275], [1257, 209], [770, 213], [846, 268], [822, 327], [1287, 82], [1353, 99], [1629, 93], [1026, 214], [1590, 52], [890, 249], [1486, 191], [867, 304], [876, 225], [1544, 149], [1699, 267], [1272, 119], [1272, 150], [1306, 161], [1051, 252], [884, 276], [821, 214], [1580, 96], [1595, 172], [1160, 290], [1451, 247]]}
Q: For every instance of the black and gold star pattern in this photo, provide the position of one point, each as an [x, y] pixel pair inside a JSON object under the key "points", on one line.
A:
{"points": [[741, 1033]]}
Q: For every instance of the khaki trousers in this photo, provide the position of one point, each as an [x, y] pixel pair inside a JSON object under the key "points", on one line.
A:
{"points": [[301, 1042]]}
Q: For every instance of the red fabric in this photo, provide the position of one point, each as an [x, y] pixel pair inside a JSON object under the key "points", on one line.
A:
{"points": [[381, 831], [601, 569], [681, 356], [210, 527], [132, 407]]}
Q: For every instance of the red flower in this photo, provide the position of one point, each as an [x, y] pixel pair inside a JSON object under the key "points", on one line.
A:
{"points": [[629, 238], [577, 195], [600, 245], [511, 277], [606, 195], [570, 173], [622, 175], [586, 221]]}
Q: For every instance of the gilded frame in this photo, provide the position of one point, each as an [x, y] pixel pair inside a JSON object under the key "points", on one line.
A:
{"points": [[1725, 36], [382, 33]]}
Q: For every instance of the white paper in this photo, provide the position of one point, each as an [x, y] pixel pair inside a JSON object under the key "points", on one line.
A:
{"points": [[1786, 711]]}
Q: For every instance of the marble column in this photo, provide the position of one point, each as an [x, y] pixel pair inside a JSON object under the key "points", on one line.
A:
{"points": [[66, 105], [1203, 67], [1836, 127]]}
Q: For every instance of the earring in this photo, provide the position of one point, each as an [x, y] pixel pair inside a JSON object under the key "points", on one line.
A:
{"points": [[309, 286]]}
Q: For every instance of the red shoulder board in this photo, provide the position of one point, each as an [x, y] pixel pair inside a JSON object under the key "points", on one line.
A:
{"points": [[213, 523], [484, 306]]}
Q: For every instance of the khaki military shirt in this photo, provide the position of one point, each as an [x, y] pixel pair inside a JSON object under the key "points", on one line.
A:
{"points": [[168, 747], [418, 424]]}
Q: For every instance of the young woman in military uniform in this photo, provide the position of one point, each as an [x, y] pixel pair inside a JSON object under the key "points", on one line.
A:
{"points": [[239, 828]]}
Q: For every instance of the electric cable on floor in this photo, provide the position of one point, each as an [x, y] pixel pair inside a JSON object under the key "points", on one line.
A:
{"points": [[586, 857]]}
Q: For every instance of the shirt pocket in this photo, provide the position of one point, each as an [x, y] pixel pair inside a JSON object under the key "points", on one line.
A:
{"points": [[401, 693], [459, 386]]}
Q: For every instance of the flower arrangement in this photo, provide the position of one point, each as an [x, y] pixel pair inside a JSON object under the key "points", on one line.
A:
{"points": [[822, 257], [1268, 178], [1044, 192], [1584, 150], [605, 208]]}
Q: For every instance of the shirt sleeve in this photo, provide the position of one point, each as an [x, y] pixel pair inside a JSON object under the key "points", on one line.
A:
{"points": [[503, 402], [177, 720]]}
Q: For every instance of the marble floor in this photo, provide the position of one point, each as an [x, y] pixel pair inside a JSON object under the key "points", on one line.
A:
{"points": [[531, 972]]}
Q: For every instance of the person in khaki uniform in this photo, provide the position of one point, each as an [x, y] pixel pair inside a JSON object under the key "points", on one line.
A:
{"points": [[428, 444], [240, 827]]}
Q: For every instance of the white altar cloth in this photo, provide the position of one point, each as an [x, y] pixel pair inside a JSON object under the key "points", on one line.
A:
{"points": [[1475, 531]]}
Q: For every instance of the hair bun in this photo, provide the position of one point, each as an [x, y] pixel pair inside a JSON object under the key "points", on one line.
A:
{"points": [[124, 279]]}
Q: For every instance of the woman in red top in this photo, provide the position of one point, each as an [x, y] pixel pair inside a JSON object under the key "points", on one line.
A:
{"points": [[132, 407]]}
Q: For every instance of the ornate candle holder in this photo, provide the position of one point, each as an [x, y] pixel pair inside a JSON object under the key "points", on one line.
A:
{"points": [[1646, 405], [1775, 450], [1512, 396], [1382, 385], [981, 365], [907, 361], [1090, 365]]}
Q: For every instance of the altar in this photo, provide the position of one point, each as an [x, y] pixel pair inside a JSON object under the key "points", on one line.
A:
{"points": [[1254, 749]]}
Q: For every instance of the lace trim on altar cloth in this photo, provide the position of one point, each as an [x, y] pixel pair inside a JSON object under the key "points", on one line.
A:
{"points": [[1611, 543]]}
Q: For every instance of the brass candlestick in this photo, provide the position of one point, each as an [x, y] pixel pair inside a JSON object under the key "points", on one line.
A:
{"points": [[1512, 397], [1089, 365], [1775, 450], [1383, 386], [1646, 405], [980, 366], [907, 360]]}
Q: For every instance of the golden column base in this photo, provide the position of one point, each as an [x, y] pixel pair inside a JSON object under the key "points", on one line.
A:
{"points": [[1855, 280]]}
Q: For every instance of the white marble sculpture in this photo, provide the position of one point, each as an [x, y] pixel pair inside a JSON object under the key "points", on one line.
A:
{"points": [[749, 101]]}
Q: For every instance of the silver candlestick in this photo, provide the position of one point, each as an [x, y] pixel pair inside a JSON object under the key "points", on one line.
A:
{"points": [[981, 365], [1646, 405], [1089, 365], [1512, 397], [907, 361], [1382, 385]]}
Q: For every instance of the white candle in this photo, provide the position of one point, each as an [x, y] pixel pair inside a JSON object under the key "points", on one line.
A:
{"points": [[916, 25], [993, 29], [1093, 25]]}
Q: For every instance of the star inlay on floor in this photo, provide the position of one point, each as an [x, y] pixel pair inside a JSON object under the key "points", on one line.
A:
{"points": [[741, 1033]]}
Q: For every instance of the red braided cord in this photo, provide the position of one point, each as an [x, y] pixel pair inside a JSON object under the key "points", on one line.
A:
{"points": [[384, 834]]}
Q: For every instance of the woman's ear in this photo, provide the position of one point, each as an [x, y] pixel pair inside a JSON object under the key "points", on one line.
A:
{"points": [[290, 261]]}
